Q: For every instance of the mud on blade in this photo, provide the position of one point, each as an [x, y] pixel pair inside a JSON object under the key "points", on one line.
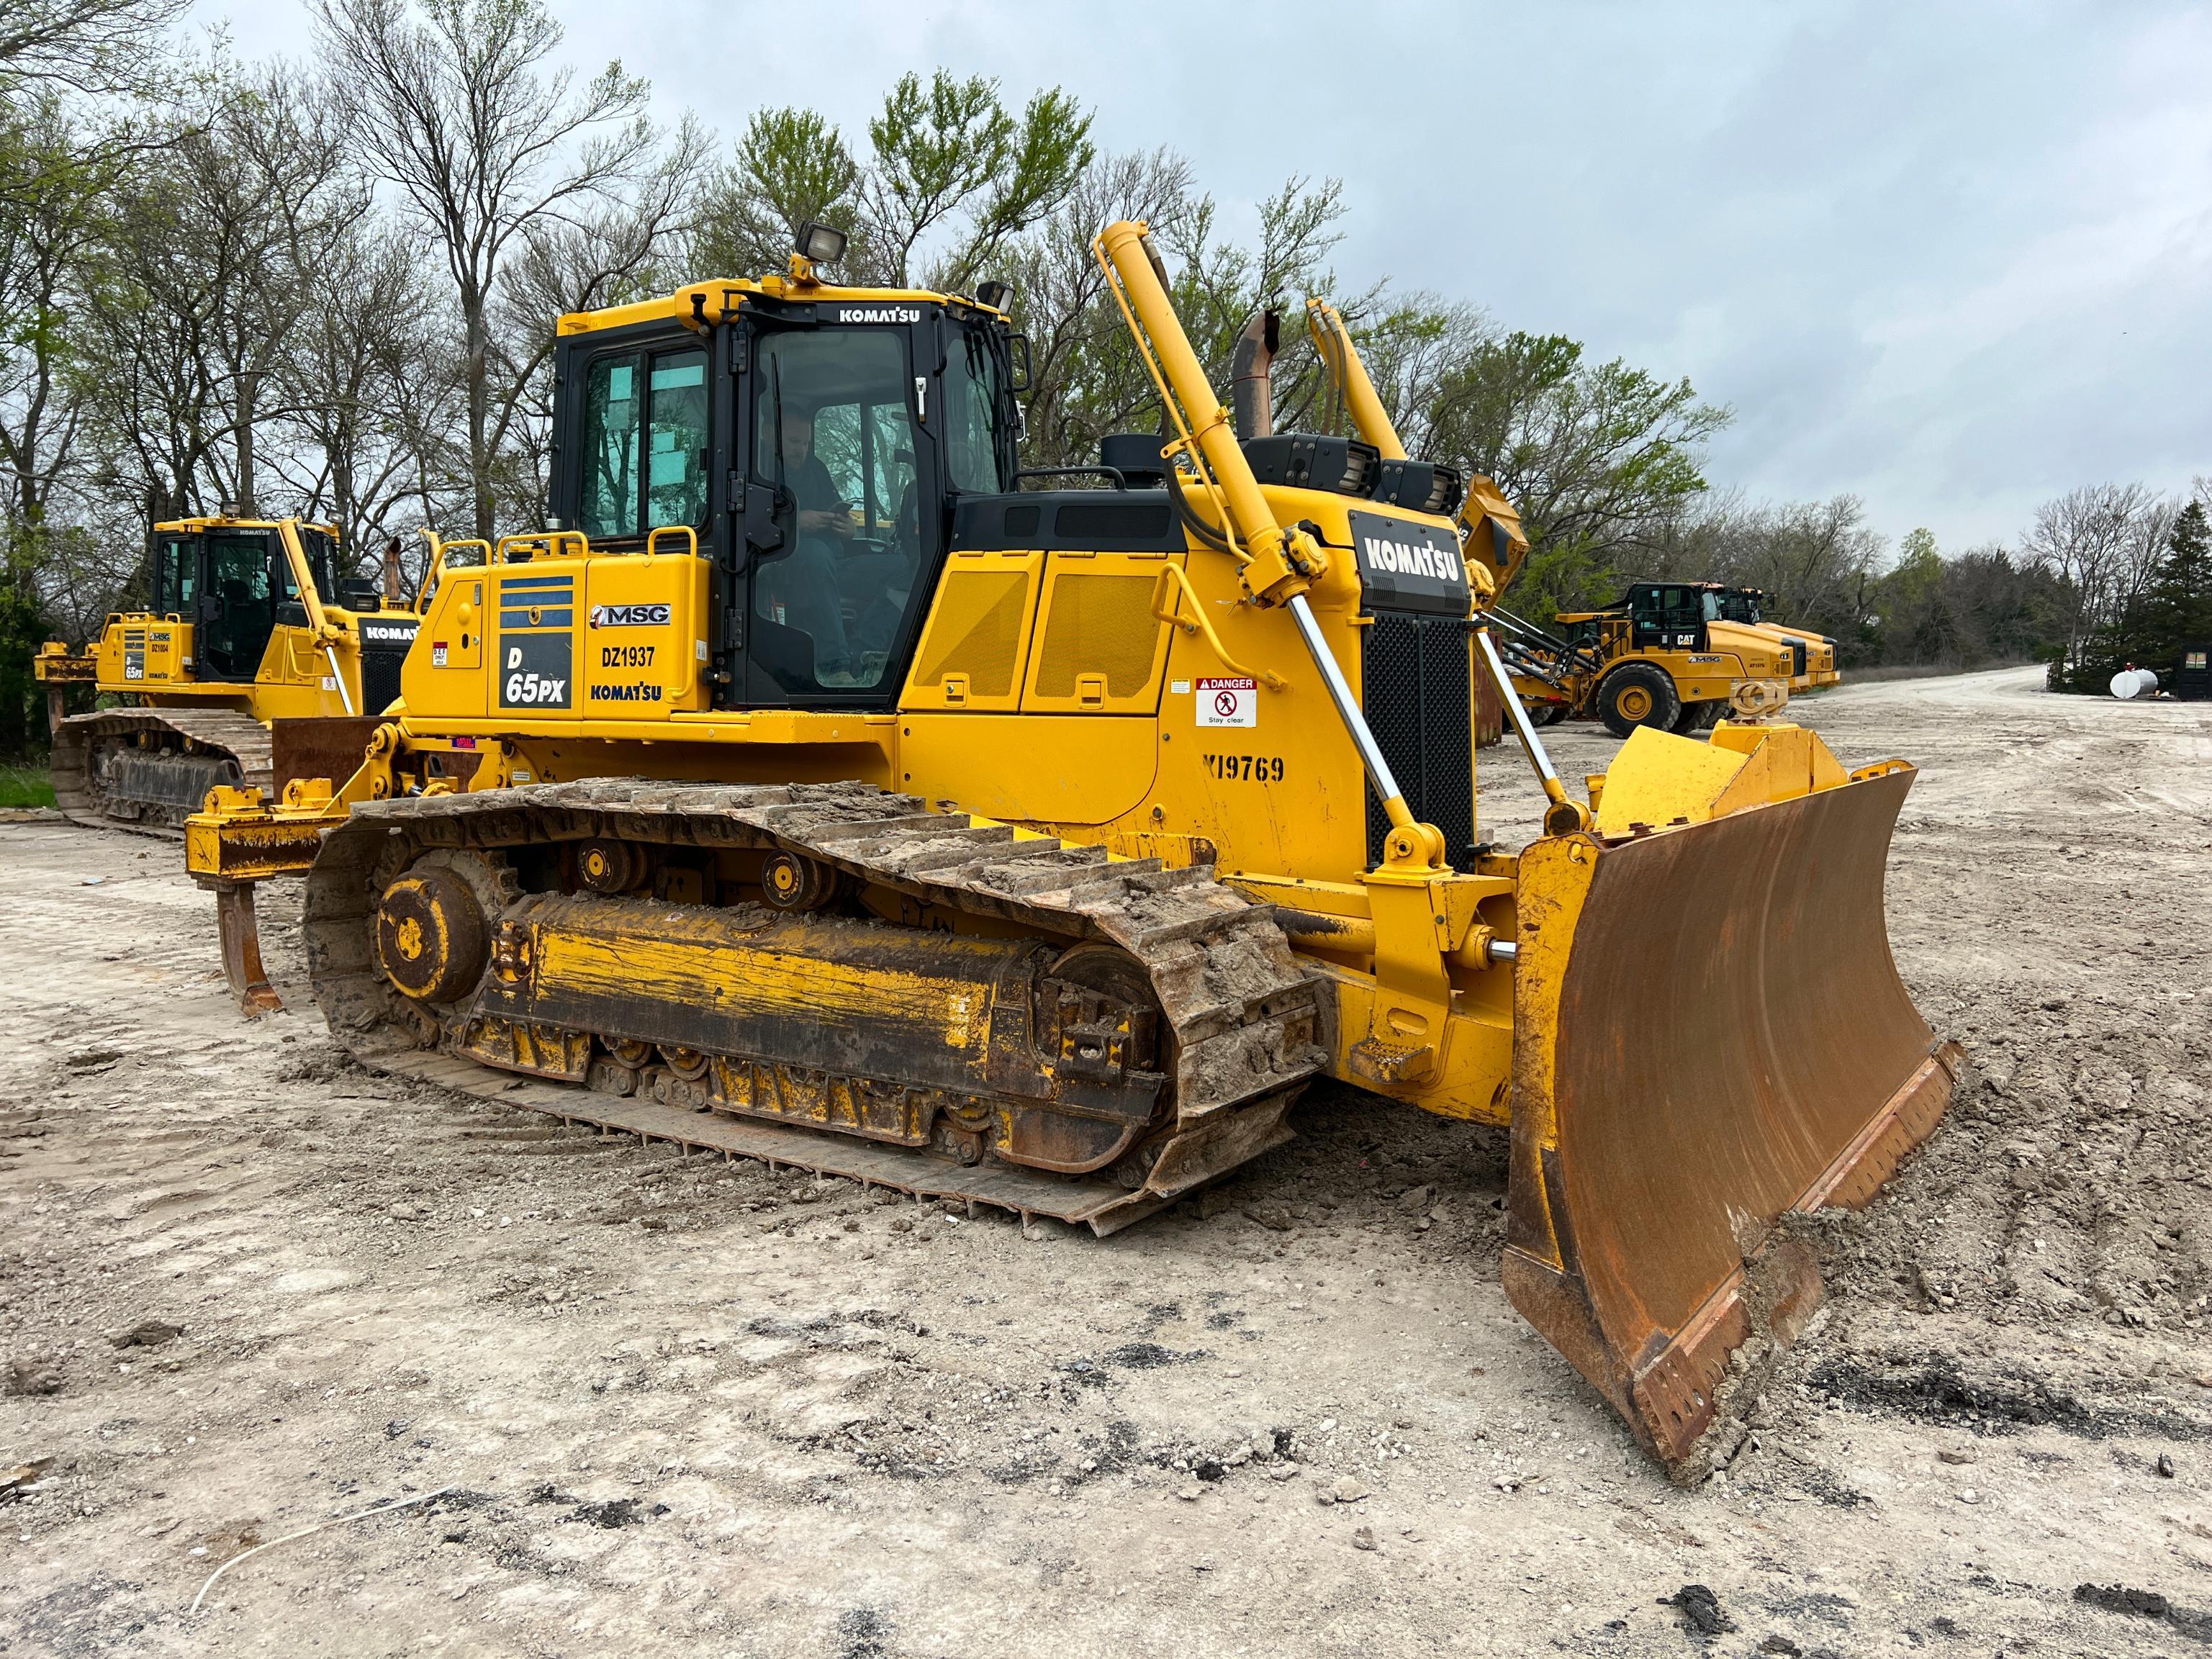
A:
{"points": [[1712, 1034]]}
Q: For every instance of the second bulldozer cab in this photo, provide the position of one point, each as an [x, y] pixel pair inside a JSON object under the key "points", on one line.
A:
{"points": [[252, 611], [234, 582]]}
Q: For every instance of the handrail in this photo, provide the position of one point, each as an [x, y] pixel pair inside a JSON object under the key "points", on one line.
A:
{"points": [[1167, 606], [553, 541], [652, 535], [1121, 481]]}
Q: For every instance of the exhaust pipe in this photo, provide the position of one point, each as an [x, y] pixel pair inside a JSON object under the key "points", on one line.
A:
{"points": [[1251, 395]]}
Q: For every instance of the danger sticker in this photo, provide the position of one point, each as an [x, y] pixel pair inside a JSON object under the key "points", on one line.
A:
{"points": [[1227, 703]]}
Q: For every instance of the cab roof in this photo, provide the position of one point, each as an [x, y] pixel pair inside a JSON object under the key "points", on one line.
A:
{"points": [[705, 303]]}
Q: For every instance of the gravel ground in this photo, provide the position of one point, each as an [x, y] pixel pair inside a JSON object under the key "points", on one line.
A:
{"points": [[683, 1406]]}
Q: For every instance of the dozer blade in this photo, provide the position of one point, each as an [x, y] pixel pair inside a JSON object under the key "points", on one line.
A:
{"points": [[1712, 1035]]}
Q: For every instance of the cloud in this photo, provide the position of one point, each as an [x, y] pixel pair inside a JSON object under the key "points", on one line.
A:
{"points": [[1953, 258]]}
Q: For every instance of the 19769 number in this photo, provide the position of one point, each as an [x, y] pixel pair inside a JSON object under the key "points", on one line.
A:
{"points": [[1256, 768]]}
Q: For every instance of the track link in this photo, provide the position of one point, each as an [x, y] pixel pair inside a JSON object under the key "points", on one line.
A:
{"points": [[1248, 1022], [204, 743]]}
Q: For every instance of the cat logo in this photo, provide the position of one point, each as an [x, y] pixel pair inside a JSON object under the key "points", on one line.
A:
{"points": [[630, 615]]}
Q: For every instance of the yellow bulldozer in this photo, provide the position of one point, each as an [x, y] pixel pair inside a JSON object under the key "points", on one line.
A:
{"points": [[814, 790], [243, 630]]}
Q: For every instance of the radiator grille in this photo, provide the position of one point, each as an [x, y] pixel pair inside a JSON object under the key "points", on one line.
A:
{"points": [[1098, 625], [379, 678], [977, 631], [1416, 692]]}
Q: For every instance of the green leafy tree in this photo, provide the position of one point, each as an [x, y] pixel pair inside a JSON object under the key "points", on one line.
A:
{"points": [[1909, 600], [791, 166], [1596, 456], [950, 179], [2174, 611]]}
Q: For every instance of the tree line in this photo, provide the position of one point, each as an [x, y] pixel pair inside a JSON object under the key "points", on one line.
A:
{"points": [[328, 287]]}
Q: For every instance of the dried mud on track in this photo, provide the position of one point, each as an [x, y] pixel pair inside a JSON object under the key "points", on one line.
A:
{"points": [[686, 1407]]}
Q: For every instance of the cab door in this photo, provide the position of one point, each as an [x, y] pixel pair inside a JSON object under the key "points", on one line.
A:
{"points": [[238, 609]]}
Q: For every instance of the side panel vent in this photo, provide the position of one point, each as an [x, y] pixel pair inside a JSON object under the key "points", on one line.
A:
{"points": [[976, 630], [1099, 625], [379, 679]]}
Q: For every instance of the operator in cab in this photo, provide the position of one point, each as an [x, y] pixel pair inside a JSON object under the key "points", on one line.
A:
{"points": [[801, 590]]}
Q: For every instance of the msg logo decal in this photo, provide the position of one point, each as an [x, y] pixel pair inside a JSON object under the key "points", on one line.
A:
{"points": [[630, 615]]}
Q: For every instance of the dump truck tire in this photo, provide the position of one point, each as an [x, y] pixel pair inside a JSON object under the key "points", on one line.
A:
{"points": [[1696, 716], [1637, 694]]}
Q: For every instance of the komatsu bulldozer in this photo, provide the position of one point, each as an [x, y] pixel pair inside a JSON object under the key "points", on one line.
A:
{"points": [[243, 631], [811, 790]]}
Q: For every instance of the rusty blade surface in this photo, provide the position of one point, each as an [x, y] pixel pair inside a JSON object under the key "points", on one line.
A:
{"points": [[1727, 1040]]}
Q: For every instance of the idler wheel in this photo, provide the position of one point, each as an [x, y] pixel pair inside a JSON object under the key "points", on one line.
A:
{"points": [[431, 938]]}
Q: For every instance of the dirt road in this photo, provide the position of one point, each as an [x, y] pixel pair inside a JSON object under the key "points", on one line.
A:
{"points": [[681, 1406]]}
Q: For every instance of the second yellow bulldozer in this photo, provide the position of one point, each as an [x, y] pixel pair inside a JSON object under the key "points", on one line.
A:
{"points": [[243, 628], [813, 791]]}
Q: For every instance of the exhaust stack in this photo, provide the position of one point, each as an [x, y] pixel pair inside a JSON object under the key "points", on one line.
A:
{"points": [[1251, 394]]}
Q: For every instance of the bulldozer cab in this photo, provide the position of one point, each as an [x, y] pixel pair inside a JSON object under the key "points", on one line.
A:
{"points": [[227, 582], [812, 452]]}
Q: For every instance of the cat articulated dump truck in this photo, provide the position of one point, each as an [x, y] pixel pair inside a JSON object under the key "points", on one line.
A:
{"points": [[237, 634], [1660, 656], [816, 793], [1813, 654]]}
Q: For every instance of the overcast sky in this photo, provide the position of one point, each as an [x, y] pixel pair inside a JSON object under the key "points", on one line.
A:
{"points": [[1952, 258]]}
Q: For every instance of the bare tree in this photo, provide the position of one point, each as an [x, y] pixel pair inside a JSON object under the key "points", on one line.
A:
{"points": [[206, 270], [84, 46], [463, 110], [370, 425], [2102, 541]]}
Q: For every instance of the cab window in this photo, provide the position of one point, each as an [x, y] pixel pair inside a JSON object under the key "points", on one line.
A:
{"points": [[612, 412], [321, 549], [974, 414], [644, 443], [834, 438], [177, 576]]}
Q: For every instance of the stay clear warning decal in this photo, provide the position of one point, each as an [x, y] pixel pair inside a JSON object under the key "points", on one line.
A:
{"points": [[1228, 702]]}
